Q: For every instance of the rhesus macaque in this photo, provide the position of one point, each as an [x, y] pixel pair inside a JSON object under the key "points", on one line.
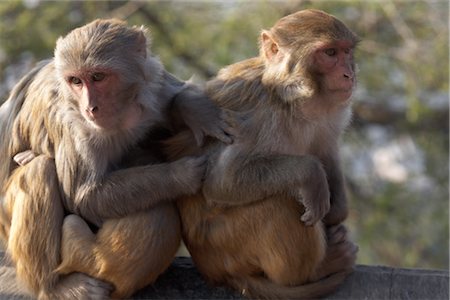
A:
{"points": [[268, 219], [69, 123]]}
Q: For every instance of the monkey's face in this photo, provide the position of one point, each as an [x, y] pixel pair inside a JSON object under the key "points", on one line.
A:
{"points": [[335, 66], [104, 101]]}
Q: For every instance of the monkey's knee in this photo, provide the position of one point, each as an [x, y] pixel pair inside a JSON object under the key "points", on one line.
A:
{"points": [[116, 246], [297, 263], [77, 242], [74, 227], [36, 219]]}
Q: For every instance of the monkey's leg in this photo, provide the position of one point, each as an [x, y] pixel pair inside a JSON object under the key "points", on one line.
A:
{"points": [[130, 252], [32, 200], [37, 215], [293, 257]]}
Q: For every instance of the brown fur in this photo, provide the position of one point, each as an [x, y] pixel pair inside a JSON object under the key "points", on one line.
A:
{"points": [[80, 134], [268, 219]]}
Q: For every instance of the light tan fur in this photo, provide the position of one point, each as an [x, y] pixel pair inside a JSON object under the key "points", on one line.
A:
{"points": [[268, 219], [69, 124]]}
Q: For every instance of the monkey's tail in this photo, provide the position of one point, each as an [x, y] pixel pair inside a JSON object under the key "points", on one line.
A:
{"points": [[262, 288]]}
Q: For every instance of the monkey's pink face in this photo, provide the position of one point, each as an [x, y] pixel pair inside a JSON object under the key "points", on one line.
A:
{"points": [[335, 64], [102, 99]]}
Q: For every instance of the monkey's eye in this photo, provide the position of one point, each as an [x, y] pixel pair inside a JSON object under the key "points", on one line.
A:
{"points": [[98, 76], [74, 80], [330, 52]]}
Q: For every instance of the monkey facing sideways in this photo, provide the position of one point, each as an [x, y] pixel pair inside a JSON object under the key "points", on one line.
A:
{"points": [[80, 113], [268, 219]]}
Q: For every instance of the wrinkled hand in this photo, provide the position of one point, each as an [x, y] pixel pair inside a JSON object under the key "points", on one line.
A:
{"points": [[204, 117], [213, 122], [315, 198], [22, 158], [189, 172]]}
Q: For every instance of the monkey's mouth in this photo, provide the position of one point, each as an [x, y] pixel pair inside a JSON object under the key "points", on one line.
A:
{"points": [[97, 122], [349, 82], [347, 87]]}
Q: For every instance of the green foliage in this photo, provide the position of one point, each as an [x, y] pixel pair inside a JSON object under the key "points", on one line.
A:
{"points": [[391, 228]]}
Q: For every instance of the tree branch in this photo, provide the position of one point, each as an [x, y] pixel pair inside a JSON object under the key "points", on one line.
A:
{"points": [[187, 57]]}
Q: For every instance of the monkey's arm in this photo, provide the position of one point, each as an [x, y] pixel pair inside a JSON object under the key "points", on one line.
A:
{"points": [[136, 189], [338, 198], [244, 179]]}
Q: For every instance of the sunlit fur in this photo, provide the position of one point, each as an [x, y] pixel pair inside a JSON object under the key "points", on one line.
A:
{"points": [[79, 169], [268, 220]]}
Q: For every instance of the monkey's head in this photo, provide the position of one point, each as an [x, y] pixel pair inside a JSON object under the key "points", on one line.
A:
{"points": [[311, 53], [102, 68]]}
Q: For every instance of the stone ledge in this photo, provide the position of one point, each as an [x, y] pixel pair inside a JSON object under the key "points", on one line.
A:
{"points": [[183, 281]]}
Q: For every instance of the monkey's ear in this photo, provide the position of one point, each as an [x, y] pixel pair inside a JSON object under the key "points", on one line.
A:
{"points": [[269, 48], [142, 44]]}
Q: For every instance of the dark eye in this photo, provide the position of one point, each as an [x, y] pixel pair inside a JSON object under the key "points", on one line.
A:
{"points": [[98, 76], [74, 80], [330, 52]]}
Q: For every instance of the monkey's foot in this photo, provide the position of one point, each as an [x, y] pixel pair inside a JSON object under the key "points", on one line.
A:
{"points": [[341, 252], [337, 233], [78, 286]]}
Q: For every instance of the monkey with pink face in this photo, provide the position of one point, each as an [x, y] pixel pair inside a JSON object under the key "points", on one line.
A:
{"points": [[268, 218], [70, 124]]}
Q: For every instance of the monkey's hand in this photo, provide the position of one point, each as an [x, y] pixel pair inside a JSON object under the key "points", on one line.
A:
{"points": [[189, 173], [22, 158], [340, 251], [202, 116], [211, 121], [316, 200]]}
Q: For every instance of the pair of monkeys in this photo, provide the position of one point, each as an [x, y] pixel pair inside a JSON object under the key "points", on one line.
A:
{"points": [[260, 209]]}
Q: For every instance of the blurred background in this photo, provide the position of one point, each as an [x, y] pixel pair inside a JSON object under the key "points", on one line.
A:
{"points": [[396, 151]]}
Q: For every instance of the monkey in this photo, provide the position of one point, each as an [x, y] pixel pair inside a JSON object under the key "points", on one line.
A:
{"points": [[268, 218], [81, 219]]}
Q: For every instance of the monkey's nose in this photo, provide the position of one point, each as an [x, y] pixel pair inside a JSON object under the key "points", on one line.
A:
{"points": [[93, 109], [348, 76]]}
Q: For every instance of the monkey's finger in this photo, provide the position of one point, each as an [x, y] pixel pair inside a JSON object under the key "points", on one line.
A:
{"points": [[232, 131], [332, 229], [336, 234], [308, 218], [199, 160], [221, 135], [199, 137], [25, 157], [232, 118], [103, 287], [98, 289]]}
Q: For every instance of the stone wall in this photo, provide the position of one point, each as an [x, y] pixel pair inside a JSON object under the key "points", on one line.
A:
{"points": [[182, 281]]}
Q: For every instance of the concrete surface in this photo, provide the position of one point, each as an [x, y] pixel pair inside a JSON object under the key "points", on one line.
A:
{"points": [[183, 281]]}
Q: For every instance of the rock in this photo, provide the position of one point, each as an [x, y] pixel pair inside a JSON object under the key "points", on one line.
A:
{"points": [[183, 281]]}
